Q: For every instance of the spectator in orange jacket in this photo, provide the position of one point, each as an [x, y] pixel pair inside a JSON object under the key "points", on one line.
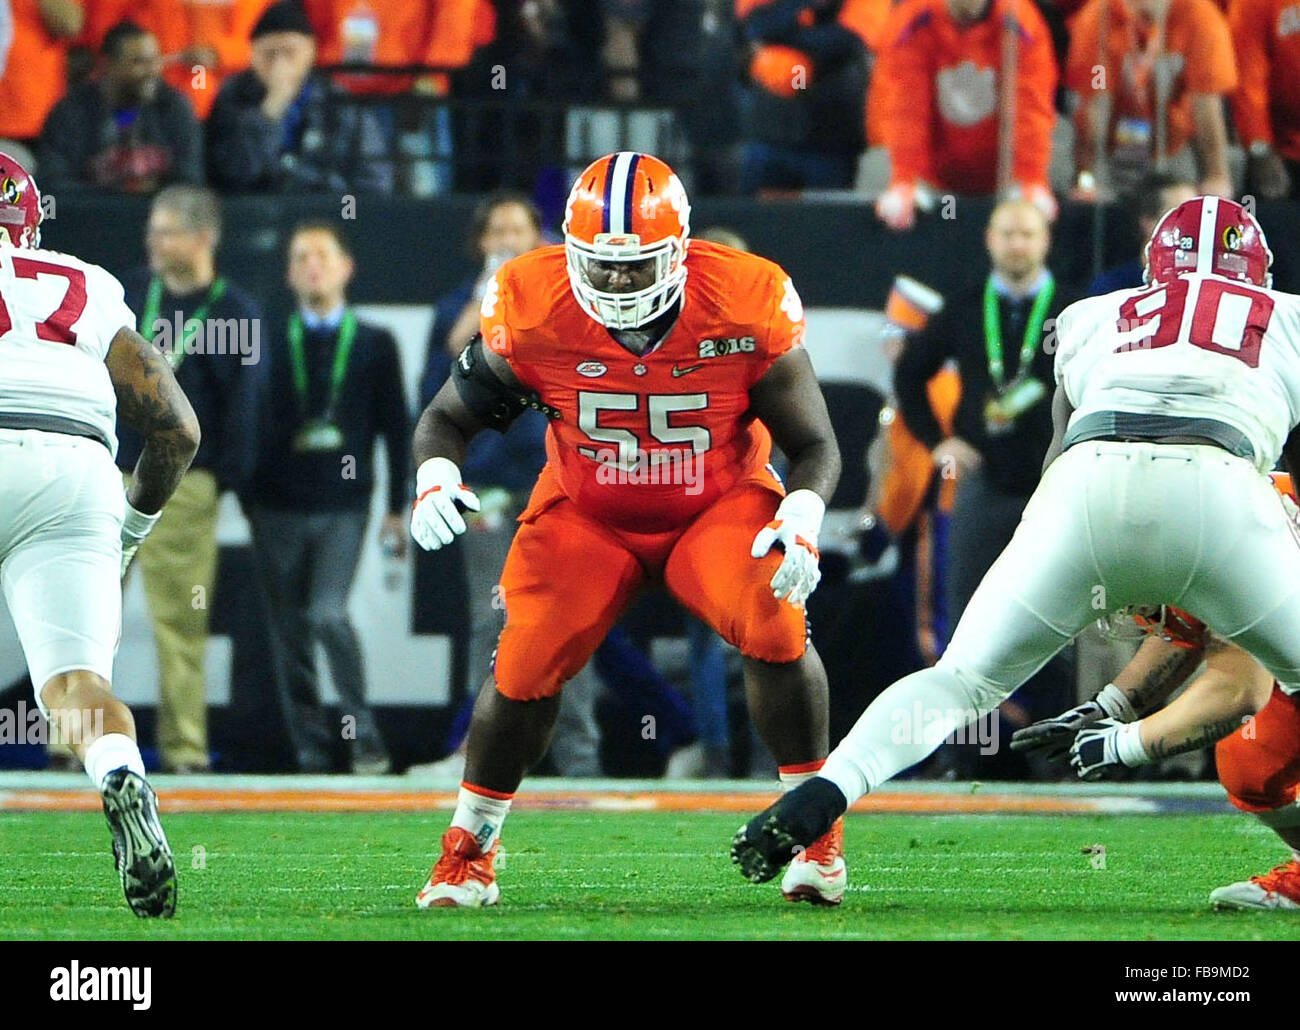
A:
{"points": [[1184, 43], [1266, 106], [202, 41], [34, 76], [938, 94], [443, 33]]}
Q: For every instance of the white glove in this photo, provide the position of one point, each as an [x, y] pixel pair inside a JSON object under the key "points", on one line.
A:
{"points": [[435, 519], [1057, 733], [135, 527], [1106, 746], [794, 529]]}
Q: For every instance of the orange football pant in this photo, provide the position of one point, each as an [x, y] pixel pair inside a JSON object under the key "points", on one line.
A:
{"points": [[1259, 764], [568, 579]]}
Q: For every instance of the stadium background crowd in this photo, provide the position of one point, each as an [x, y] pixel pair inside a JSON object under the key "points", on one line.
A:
{"points": [[1090, 118]]}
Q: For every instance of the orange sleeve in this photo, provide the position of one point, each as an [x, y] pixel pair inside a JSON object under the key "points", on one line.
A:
{"points": [[1251, 25], [1210, 66], [1035, 92], [451, 38], [1083, 56], [493, 316], [906, 480], [904, 116], [786, 324]]}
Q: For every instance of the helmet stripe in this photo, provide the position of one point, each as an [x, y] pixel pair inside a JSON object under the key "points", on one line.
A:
{"points": [[629, 190], [609, 186], [618, 199], [1205, 242]]}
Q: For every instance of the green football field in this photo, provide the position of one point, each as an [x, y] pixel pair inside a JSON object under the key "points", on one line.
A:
{"points": [[665, 875]]}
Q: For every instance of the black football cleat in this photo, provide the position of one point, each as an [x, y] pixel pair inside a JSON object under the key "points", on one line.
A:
{"points": [[776, 835], [140, 849]]}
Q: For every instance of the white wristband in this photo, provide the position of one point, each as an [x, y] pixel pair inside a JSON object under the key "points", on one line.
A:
{"points": [[1115, 703], [136, 524], [1128, 745]]}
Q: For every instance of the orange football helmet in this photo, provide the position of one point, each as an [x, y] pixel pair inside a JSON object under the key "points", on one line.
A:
{"points": [[623, 209]]}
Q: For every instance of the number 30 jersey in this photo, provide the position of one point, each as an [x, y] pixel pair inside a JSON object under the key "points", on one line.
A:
{"points": [[58, 316], [646, 442], [1199, 346]]}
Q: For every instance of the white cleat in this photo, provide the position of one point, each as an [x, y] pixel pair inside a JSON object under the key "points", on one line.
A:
{"points": [[463, 876], [818, 874], [1277, 891]]}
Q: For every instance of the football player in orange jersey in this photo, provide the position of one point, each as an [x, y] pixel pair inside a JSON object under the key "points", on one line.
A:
{"points": [[667, 368], [1257, 755]]}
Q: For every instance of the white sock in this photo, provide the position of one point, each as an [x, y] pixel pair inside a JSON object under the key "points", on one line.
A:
{"points": [[109, 752], [793, 775], [481, 815], [902, 726]]}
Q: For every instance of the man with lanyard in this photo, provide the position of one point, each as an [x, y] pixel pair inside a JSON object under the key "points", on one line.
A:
{"points": [[335, 386], [210, 329], [998, 335]]}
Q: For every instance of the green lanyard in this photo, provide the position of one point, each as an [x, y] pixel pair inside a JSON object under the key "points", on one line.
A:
{"points": [[153, 303], [342, 351], [1033, 330]]}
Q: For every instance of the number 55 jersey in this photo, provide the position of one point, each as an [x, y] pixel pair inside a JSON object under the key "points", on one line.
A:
{"points": [[1198, 347], [645, 442]]}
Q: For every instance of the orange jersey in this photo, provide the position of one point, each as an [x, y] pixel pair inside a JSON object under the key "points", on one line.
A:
{"points": [[1266, 105], [1197, 45], [934, 96], [645, 443]]}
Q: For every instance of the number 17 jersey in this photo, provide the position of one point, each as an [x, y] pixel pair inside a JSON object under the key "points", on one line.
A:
{"points": [[645, 442], [1199, 346], [58, 316]]}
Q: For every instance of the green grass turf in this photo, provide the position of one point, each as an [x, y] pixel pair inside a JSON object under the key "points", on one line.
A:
{"points": [[646, 875]]}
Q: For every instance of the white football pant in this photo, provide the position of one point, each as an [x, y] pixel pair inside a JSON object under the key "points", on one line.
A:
{"points": [[61, 509], [1111, 525]]}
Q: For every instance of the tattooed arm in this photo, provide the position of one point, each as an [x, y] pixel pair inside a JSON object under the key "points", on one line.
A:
{"points": [[1233, 687], [150, 402], [1156, 671]]}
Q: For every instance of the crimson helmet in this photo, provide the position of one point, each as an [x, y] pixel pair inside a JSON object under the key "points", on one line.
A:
{"points": [[1210, 235], [627, 207]]}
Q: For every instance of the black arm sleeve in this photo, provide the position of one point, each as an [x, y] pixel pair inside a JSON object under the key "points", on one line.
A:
{"points": [[922, 357], [493, 403]]}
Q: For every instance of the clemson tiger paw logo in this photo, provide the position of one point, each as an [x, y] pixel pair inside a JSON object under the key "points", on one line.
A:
{"points": [[9, 191]]}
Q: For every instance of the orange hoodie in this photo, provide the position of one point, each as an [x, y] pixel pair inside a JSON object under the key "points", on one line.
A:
{"points": [[1266, 105], [34, 78], [935, 95], [435, 32], [1195, 30], [223, 25]]}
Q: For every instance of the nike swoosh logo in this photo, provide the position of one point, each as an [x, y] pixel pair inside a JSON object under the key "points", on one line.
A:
{"points": [[678, 372]]}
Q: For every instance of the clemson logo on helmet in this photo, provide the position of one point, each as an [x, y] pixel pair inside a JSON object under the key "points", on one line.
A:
{"points": [[9, 191], [1232, 237]]}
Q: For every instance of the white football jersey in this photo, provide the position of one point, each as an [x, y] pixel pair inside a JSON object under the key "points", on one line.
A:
{"points": [[1201, 346], [58, 316]]}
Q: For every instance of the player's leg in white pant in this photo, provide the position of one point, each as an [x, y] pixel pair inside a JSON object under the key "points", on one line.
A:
{"points": [[61, 507], [1110, 525]]}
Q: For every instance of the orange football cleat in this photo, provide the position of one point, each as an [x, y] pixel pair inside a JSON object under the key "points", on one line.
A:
{"points": [[818, 873], [463, 876]]}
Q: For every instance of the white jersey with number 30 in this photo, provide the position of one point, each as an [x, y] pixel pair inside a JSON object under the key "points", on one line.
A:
{"points": [[1200, 346], [58, 316]]}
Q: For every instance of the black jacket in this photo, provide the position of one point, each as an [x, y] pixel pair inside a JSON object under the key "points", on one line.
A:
{"points": [[85, 142], [372, 403], [223, 389], [322, 143], [1013, 460]]}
